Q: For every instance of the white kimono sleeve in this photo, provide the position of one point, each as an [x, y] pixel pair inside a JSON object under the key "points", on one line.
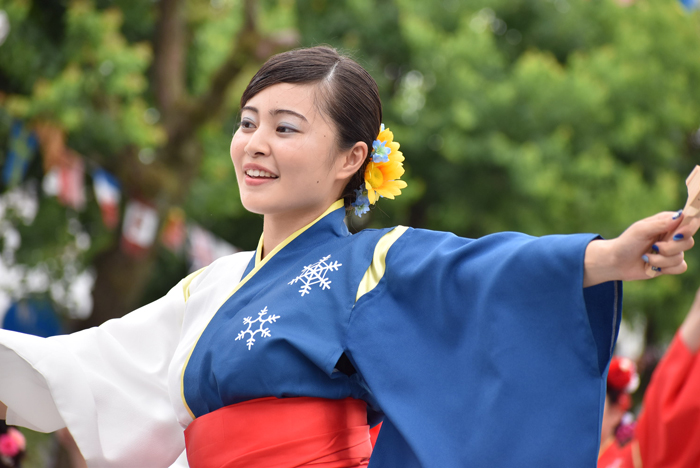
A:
{"points": [[107, 384]]}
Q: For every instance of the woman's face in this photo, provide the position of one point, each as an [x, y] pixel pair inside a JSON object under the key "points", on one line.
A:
{"points": [[285, 154]]}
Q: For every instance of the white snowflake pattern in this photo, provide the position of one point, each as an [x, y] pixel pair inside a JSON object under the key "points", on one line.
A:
{"points": [[264, 332], [316, 274]]}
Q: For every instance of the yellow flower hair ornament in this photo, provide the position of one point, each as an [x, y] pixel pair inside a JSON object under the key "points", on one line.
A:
{"points": [[382, 173]]}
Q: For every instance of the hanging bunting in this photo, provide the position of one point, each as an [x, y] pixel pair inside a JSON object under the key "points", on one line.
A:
{"points": [[67, 182], [139, 229], [108, 194], [23, 145], [205, 247], [174, 231], [64, 179], [72, 186]]}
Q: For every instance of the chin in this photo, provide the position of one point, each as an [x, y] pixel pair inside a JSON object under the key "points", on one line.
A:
{"points": [[253, 206], [263, 205]]}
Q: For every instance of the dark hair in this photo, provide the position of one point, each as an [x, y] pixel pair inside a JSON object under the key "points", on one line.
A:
{"points": [[348, 95], [613, 393]]}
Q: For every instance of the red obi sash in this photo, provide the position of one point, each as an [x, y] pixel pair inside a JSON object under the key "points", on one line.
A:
{"points": [[281, 433]]}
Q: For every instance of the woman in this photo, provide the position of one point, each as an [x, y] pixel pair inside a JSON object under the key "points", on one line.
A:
{"points": [[283, 356], [617, 430], [668, 429]]}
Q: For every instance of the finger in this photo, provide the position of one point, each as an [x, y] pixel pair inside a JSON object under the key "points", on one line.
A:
{"points": [[655, 226], [690, 228], [673, 247], [663, 262], [675, 270]]}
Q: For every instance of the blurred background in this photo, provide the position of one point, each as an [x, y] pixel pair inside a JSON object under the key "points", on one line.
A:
{"points": [[540, 116]]}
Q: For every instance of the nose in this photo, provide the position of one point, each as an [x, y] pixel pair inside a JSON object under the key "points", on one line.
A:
{"points": [[257, 144]]}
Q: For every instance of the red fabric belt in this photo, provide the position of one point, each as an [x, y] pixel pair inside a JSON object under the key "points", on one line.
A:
{"points": [[281, 433]]}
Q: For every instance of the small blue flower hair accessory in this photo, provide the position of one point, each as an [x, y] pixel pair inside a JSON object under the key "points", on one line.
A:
{"points": [[380, 152], [361, 202]]}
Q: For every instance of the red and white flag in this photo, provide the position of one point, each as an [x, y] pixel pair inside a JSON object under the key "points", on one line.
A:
{"points": [[67, 182], [174, 230], [205, 247], [108, 194], [139, 229]]}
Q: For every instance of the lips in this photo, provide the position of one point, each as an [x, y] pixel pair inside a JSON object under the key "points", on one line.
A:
{"points": [[259, 174], [256, 175]]}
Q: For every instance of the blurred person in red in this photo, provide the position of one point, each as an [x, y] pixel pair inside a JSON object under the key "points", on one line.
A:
{"points": [[12, 446], [667, 432]]}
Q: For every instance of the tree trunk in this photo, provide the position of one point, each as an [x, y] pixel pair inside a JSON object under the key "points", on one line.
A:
{"points": [[121, 279], [119, 284]]}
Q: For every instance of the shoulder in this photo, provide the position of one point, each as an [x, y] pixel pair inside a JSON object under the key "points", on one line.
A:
{"points": [[414, 242], [424, 240], [418, 252], [226, 268]]}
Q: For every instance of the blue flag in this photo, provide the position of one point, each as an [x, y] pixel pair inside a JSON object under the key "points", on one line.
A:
{"points": [[23, 145]]}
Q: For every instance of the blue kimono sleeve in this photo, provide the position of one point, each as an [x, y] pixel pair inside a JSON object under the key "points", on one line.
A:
{"points": [[486, 353]]}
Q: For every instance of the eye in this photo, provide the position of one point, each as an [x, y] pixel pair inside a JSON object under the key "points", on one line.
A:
{"points": [[245, 123], [285, 129]]}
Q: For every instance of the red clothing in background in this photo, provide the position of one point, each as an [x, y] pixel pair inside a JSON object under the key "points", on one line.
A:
{"points": [[668, 430]]}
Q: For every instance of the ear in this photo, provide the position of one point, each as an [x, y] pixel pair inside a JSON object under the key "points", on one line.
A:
{"points": [[351, 161]]}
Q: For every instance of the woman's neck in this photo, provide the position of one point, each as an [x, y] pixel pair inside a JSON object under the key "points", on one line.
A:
{"points": [[278, 227]]}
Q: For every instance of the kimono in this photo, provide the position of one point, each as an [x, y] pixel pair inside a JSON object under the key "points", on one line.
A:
{"points": [[473, 352], [668, 429]]}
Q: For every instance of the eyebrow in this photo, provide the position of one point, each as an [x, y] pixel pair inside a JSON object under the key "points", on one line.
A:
{"points": [[276, 112]]}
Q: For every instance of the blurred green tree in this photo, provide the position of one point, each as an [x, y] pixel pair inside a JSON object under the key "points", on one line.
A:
{"points": [[544, 117], [139, 88]]}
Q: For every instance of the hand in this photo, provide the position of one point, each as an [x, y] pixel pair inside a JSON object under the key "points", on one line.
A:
{"points": [[690, 329], [622, 258]]}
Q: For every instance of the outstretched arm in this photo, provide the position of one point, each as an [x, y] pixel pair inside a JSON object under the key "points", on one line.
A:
{"points": [[625, 258], [690, 329], [667, 429]]}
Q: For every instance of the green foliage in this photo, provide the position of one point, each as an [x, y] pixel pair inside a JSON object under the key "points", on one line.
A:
{"points": [[544, 117], [541, 117], [97, 94]]}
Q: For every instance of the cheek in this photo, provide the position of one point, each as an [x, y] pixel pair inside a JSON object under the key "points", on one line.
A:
{"points": [[237, 148]]}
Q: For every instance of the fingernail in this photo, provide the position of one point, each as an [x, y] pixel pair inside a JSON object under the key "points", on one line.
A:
{"points": [[645, 258], [655, 248], [678, 214], [678, 237], [656, 268]]}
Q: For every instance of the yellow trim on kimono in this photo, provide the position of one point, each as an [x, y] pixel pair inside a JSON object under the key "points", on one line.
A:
{"points": [[187, 281], [259, 261], [376, 269], [258, 265]]}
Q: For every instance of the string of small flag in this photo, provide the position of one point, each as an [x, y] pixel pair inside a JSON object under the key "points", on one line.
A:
{"points": [[64, 178]]}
